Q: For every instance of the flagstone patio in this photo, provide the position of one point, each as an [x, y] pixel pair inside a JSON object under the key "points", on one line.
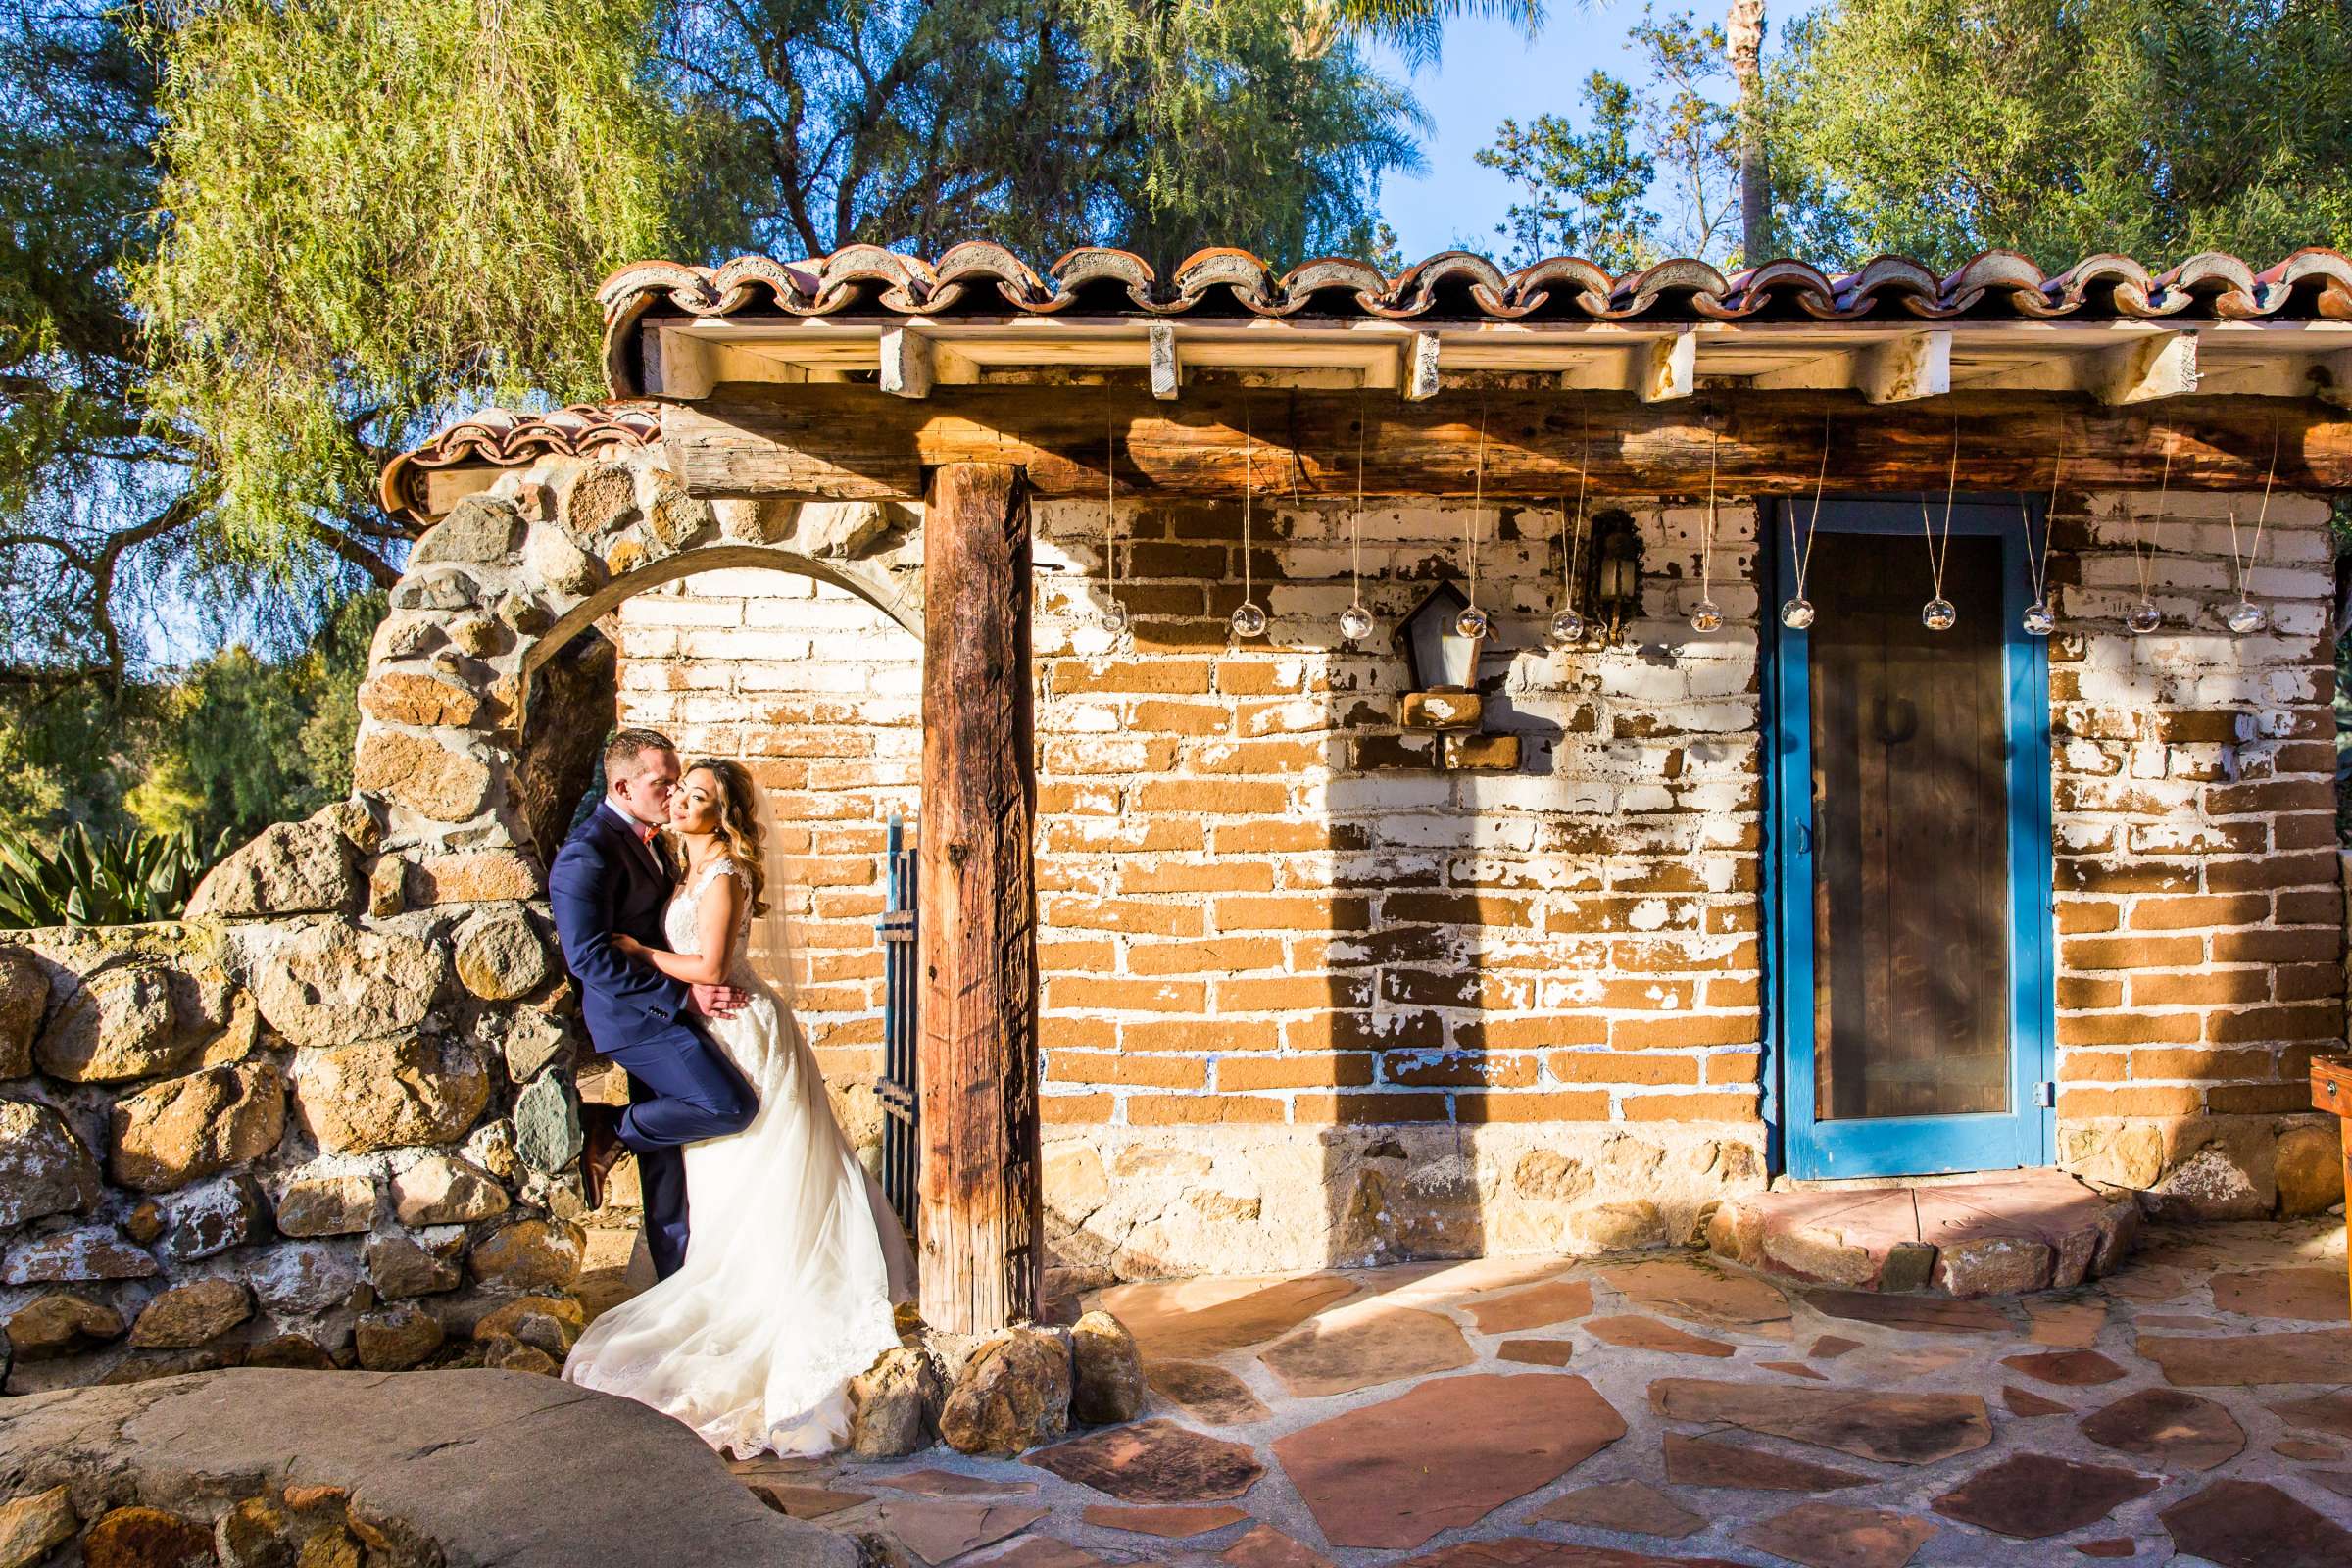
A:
{"points": [[2194, 1407]]}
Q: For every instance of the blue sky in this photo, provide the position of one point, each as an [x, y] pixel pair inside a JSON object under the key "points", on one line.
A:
{"points": [[1490, 73]]}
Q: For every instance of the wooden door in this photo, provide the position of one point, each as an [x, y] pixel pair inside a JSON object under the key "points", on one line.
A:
{"points": [[1912, 850]]}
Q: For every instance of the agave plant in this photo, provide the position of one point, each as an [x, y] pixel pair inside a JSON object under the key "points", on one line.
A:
{"points": [[123, 879]]}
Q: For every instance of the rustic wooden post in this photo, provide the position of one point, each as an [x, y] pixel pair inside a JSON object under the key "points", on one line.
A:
{"points": [[981, 1239]]}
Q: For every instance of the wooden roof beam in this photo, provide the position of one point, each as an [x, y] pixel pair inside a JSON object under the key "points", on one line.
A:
{"points": [[1656, 370], [2145, 366], [2332, 379], [1914, 366], [1167, 370], [1902, 369], [2159, 364]]}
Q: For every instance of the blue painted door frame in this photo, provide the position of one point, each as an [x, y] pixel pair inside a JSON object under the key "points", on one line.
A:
{"points": [[2024, 1135]]}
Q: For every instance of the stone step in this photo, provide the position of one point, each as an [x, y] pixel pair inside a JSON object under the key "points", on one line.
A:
{"points": [[2004, 1235]]}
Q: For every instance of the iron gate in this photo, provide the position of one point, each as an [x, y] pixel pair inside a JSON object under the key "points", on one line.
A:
{"points": [[899, 1110]]}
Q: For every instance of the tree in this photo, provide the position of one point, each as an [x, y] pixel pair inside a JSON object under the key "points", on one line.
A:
{"points": [[1160, 125], [1939, 128], [1691, 136], [1585, 193], [88, 489], [379, 211], [1744, 32], [1582, 192]]}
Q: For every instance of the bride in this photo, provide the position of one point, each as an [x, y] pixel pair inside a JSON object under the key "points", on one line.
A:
{"points": [[794, 1257]]}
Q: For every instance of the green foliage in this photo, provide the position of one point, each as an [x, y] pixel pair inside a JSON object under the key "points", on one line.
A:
{"points": [[1158, 124], [1695, 137], [245, 741], [376, 205], [236, 742], [123, 879], [1942, 128], [1586, 193], [1582, 192]]}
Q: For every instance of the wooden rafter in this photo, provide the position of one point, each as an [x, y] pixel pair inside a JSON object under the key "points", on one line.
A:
{"points": [[852, 442]]}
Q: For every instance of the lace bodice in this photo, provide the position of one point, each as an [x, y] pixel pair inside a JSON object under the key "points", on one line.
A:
{"points": [[681, 920]]}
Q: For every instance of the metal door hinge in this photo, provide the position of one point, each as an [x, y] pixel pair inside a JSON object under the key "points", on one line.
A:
{"points": [[2045, 1094]]}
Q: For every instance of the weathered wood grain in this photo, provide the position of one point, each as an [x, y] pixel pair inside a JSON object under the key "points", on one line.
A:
{"points": [[854, 441], [976, 1072]]}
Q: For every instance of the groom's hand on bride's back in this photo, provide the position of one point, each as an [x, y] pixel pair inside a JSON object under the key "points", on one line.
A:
{"points": [[717, 1002]]}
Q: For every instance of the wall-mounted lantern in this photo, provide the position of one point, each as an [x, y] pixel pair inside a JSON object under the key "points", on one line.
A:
{"points": [[1444, 695], [1441, 658], [1616, 571]]}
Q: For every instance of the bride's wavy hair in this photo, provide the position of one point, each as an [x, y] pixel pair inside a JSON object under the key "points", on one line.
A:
{"points": [[739, 822]]}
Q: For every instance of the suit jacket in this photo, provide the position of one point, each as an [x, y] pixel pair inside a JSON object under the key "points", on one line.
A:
{"points": [[608, 881]]}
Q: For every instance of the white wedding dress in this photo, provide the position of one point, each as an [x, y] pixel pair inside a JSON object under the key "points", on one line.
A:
{"points": [[792, 1265]]}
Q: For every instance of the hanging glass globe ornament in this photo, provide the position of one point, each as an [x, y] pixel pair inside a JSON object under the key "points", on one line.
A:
{"points": [[2144, 617], [2243, 618], [1471, 623], [1248, 619], [1355, 623], [1708, 616], [1939, 615], [2039, 621], [1568, 626], [1797, 614]]}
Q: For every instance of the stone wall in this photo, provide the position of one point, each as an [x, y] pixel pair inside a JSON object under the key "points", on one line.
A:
{"points": [[1309, 996], [331, 1117]]}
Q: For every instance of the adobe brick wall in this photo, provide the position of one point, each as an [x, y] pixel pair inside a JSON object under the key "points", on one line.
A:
{"points": [[2199, 909], [821, 694], [1309, 999]]}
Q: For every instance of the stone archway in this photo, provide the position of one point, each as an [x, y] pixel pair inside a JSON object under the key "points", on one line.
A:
{"points": [[462, 753]]}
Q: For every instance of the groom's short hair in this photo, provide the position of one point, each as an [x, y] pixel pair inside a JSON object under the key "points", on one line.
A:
{"points": [[624, 747]]}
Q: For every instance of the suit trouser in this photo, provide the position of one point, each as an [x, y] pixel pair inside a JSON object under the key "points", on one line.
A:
{"points": [[682, 1089]]}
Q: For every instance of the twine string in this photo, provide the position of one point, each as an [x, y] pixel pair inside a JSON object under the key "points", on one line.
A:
{"points": [[1939, 550], [2041, 556], [1248, 495], [1357, 527], [2245, 563], [1570, 563], [1706, 545], [1472, 531], [1110, 493], [1804, 556], [2139, 549]]}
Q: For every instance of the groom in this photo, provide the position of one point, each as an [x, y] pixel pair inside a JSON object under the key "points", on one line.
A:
{"points": [[610, 878]]}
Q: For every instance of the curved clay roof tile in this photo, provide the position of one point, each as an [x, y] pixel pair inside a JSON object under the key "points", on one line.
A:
{"points": [[1746, 293], [2327, 270], [1894, 277], [2125, 283], [2005, 274], [1089, 266], [1637, 292], [1365, 283], [1533, 285], [2222, 283], [906, 280], [1416, 288], [1252, 280], [977, 263]]}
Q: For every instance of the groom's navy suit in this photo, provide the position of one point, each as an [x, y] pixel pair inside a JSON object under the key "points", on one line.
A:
{"points": [[609, 881]]}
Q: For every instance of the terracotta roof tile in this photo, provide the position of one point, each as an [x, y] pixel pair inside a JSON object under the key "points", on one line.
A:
{"points": [[983, 282], [507, 440]]}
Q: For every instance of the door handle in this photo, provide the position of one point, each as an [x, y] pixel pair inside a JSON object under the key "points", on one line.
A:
{"points": [[1800, 838]]}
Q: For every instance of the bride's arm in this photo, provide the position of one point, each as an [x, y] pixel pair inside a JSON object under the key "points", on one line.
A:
{"points": [[714, 920]]}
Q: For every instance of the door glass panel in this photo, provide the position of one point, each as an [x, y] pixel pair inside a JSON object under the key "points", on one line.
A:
{"points": [[1910, 833]]}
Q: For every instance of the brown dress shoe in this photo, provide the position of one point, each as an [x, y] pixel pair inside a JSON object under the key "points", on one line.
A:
{"points": [[601, 1149]]}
